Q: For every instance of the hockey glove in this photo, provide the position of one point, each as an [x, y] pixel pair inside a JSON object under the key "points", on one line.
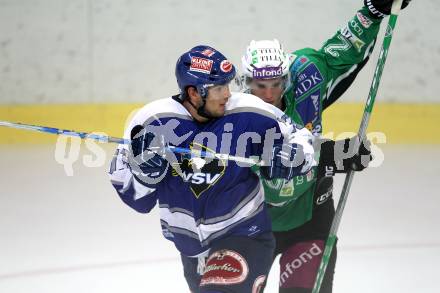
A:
{"points": [[286, 162], [341, 156], [148, 166], [381, 8]]}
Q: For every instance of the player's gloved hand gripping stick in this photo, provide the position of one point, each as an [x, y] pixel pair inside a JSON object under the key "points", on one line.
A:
{"points": [[341, 156], [396, 6], [283, 162], [145, 163]]}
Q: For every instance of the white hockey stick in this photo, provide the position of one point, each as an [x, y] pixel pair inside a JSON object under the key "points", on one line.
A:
{"points": [[117, 140]]}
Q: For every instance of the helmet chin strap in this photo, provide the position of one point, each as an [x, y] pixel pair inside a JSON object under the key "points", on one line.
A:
{"points": [[203, 92], [201, 111]]}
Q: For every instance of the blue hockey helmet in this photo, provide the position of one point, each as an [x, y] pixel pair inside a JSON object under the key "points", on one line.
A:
{"points": [[202, 67]]}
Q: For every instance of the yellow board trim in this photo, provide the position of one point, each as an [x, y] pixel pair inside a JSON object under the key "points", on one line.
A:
{"points": [[107, 118], [401, 123]]}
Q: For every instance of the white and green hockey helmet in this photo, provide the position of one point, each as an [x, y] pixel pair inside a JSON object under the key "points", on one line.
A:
{"points": [[264, 59]]}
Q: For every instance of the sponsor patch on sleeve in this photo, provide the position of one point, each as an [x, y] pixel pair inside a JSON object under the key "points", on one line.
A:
{"points": [[357, 43], [365, 21]]}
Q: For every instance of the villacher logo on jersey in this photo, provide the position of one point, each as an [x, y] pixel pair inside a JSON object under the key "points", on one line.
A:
{"points": [[267, 72], [201, 65]]}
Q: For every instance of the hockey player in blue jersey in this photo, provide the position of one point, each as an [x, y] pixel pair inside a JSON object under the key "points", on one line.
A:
{"points": [[213, 210]]}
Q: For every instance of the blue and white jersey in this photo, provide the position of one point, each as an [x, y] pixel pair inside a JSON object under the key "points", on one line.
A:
{"points": [[204, 200]]}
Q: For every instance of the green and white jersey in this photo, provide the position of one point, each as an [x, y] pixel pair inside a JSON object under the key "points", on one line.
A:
{"points": [[318, 78]]}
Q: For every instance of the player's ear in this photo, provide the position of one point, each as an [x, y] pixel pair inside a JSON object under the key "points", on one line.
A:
{"points": [[193, 95]]}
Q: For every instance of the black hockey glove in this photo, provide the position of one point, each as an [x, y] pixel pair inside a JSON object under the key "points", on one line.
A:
{"points": [[381, 8], [286, 162], [148, 166], [341, 156]]}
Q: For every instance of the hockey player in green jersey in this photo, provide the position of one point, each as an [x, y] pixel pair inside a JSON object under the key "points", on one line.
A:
{"points": [[303, 84]]}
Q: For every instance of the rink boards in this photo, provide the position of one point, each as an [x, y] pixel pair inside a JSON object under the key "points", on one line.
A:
{"points": [[397, 123]]}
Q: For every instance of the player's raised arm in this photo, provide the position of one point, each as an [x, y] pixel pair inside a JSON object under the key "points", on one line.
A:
{"points": [[342, 56], [354, 41]]}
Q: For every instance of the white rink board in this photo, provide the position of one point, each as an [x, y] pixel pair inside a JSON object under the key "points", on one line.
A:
{"points": [[125, 51]]}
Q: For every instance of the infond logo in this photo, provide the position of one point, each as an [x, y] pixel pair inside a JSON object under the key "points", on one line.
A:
{"points": [[295, 264], [267, 72]]}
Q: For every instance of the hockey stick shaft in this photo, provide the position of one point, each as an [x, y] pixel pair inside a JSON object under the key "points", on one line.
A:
{"points": [[57, 131], [331, 240], [117, 140]]}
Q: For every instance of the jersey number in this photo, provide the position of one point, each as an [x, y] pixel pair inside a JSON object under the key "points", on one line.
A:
{"points": [[333, 49]]}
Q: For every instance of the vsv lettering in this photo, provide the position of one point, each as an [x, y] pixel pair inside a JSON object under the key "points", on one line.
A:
{"points": [[200, 178]]}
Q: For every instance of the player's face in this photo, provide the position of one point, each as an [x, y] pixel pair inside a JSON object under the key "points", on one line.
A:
{"points": [[269, 90], [216, 100]]}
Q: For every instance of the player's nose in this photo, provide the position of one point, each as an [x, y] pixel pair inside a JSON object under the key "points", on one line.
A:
{"points": [[227, 93], [267, 93]]}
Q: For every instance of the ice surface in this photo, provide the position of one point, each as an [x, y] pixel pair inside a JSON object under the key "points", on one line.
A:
{"points": [[72, 234]]}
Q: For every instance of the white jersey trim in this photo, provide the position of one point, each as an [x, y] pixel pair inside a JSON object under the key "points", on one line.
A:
{"points": [[181, 220]]}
